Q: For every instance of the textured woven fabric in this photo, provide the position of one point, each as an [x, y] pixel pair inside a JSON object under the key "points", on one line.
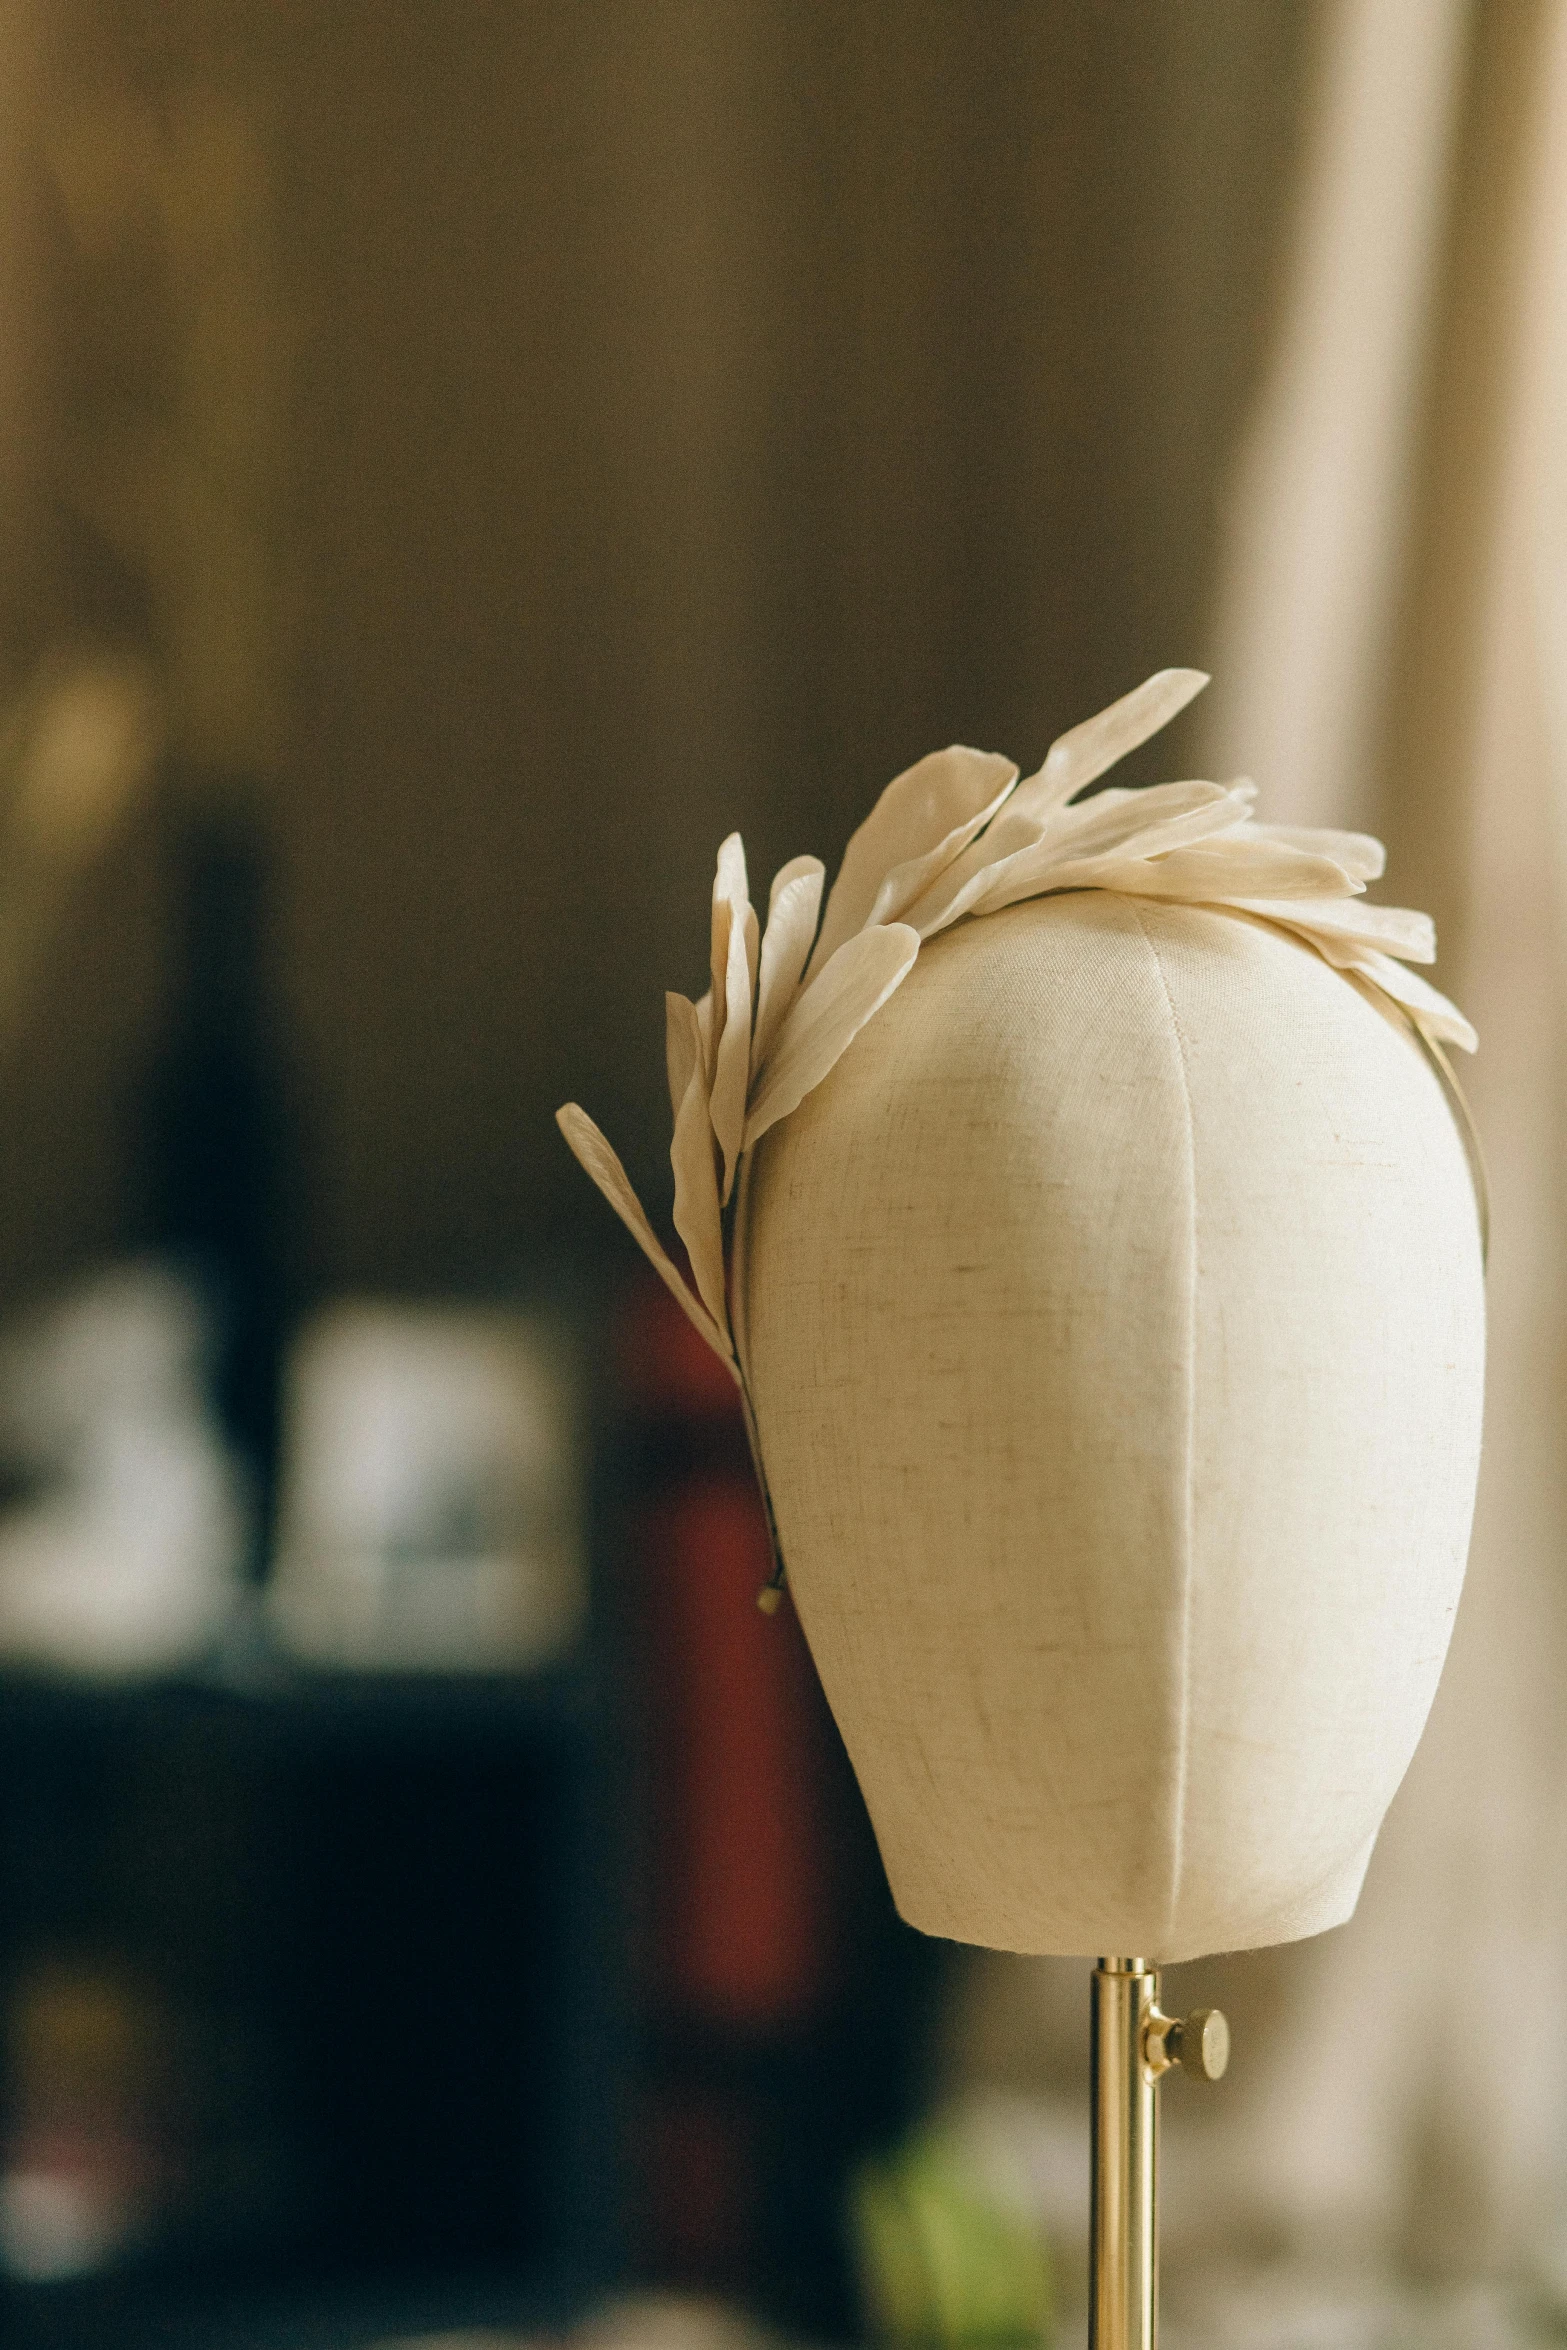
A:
{"points": [[1116, 1332]]}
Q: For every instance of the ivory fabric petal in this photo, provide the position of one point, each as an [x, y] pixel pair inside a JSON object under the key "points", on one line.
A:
{"points": [[906, 881], [734, 962], [1362, 857], [683, 1046], [1337, 930], [595, 1155], [827, 1018], [929, 811], [1228, 867], [1015, 858], [797, 869], [952, 840], [698, 1215], [1146, 823], [1092, 852], [1022, 849], [1431, 1010], [1079, 758], [792, 909], [731, 893]]}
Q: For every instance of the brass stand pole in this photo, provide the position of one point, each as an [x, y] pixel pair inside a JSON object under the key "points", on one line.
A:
{"points": [[1132, 2046], [1124, 2229]]}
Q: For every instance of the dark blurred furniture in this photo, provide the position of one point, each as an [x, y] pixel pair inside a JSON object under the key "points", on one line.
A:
{"points": [[380, 1918]]}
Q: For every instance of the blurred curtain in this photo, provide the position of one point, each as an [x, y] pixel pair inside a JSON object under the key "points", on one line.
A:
{"points": [[1392, 650]]}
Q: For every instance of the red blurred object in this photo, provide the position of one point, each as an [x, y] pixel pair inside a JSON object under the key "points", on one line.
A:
{"points": [[743, 1863], [740, 1869], [665, 1367], [741, 1890]]}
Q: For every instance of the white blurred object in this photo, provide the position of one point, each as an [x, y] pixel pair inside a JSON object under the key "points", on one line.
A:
{"points": [[129, 1559], [52, 2227], [432, 1513]]}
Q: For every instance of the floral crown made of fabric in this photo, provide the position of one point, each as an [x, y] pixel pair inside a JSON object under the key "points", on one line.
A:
{"points": [[956, 837]]}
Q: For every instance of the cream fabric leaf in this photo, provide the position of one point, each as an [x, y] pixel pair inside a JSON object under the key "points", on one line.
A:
{"points": [[1016, 858], [1145, 823], [906, 881], [951, 893], [956, 837], [972, 882], [827, 1018], [595, 1155], [734, 962], [1363, 858], [683, 1046], [1217, 868], [797, 869], [1074, 761], [928, 813], [793, 904], [957, 891], [1229, 867], [1434, 1013], [1339, 929], [1079, 758], [731, 889], [698, 1215], [714, 1004]]}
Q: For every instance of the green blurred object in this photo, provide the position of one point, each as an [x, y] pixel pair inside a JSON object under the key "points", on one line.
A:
{"points": [[943, 2257]]}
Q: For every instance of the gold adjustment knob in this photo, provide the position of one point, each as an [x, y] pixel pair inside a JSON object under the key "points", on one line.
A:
{"points": [[1199, 2043]]}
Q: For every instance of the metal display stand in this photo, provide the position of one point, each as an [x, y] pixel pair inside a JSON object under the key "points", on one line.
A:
{"points": [[1133, 2046]]}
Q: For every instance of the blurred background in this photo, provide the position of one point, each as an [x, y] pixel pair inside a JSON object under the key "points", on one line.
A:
{"points": [[457, 462]]}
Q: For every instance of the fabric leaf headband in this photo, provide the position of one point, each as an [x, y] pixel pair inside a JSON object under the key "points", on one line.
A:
{"points": [[954, 838]]}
